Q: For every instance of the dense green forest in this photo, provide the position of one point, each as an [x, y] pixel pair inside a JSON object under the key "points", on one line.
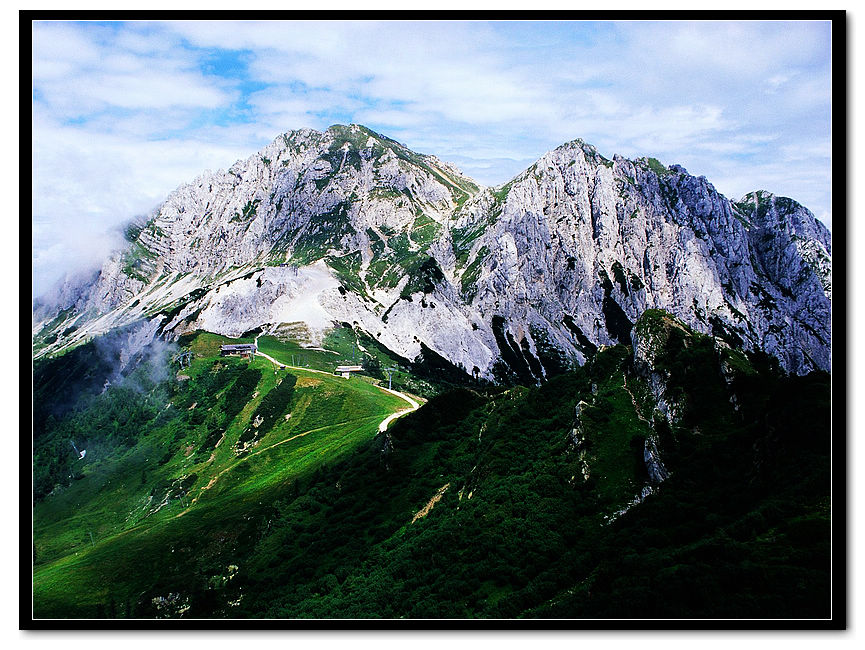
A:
{"points": [[489, 501]]}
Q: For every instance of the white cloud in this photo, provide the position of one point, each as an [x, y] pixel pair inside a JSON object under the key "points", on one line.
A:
{"points": [[77, 247], [78, 71], [150, 90], [778, 80], [62, 42], [744, 51], [87, 184]]}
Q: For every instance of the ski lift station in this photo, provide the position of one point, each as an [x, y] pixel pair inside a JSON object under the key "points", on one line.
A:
{"points": [[346, 371], [241, 349]]}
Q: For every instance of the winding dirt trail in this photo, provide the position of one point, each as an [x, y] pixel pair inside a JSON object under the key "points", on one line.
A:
{"points": [[393, 416], [414, 406]]}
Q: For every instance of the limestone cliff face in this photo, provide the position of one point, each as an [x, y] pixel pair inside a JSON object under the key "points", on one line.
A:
{"points": [[519, 280], [579, 247]]}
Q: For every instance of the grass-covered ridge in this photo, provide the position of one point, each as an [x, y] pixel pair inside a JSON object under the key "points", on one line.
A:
{"points": [[487, 502], [185, 469]]}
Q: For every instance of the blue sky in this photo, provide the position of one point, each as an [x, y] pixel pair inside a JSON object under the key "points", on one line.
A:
{"points": [[125, 112]]}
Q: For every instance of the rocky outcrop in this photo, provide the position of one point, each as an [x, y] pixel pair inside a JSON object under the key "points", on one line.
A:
{"points": [[654, 466], [518, 281], [792, 259], [580, 246], [648, 339]]}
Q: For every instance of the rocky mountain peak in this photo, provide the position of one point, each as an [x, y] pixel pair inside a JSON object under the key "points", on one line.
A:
{"points": [[514, 282]]}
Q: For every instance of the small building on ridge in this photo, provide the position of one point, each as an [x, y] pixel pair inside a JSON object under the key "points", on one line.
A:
{"points": [[346, 371], [241, 349]]}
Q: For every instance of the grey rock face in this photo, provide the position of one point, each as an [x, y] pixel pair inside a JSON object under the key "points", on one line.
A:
{"points": [[582, 246], [522, 280], [652, 458], [792, 259]]}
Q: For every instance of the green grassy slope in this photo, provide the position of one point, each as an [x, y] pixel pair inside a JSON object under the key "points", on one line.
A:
{"points": [[345, 345], [484, 503], [740, 529], [184, 480]]}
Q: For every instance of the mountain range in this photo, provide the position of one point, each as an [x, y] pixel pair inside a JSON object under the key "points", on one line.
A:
{"points": [[513, 283]]}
